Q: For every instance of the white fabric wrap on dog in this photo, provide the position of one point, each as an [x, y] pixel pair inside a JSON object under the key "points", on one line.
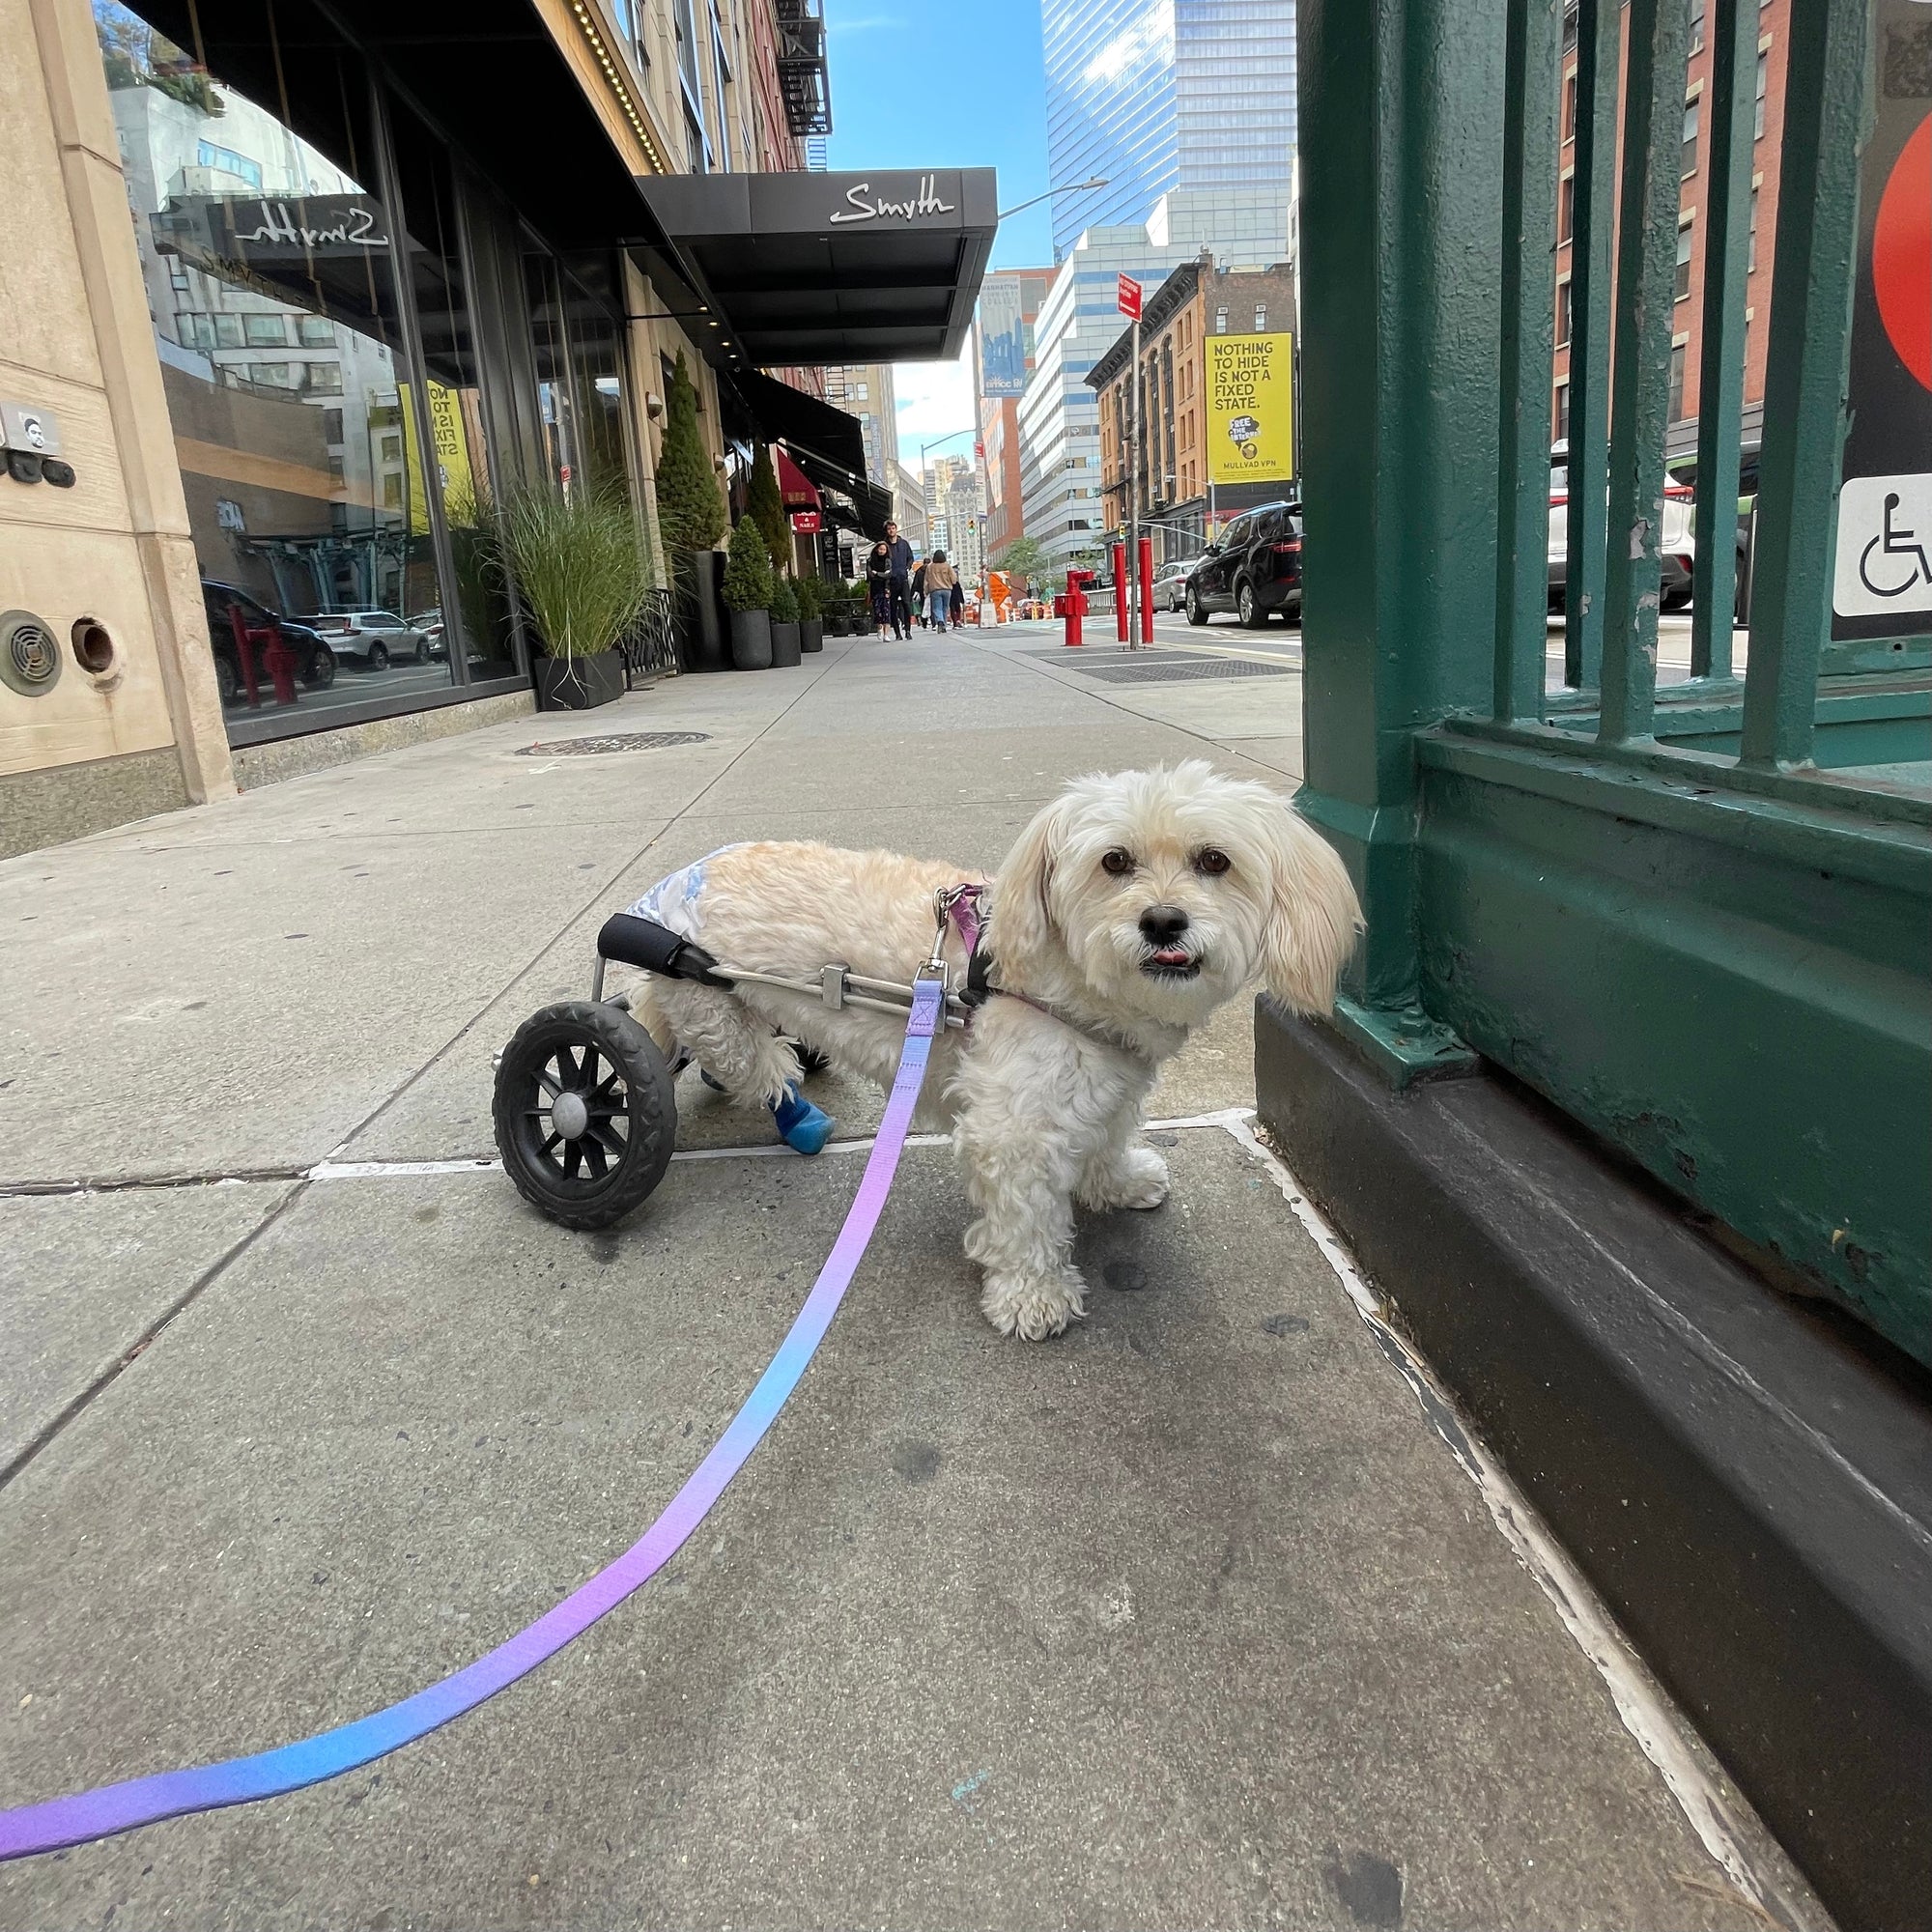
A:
{"points": [[672, 902]]}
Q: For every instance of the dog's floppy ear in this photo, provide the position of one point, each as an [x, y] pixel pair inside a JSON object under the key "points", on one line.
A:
{"points": [[1313, 917], [1024, 932]]}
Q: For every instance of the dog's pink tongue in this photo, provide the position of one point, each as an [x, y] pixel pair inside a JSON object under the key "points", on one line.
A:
{"points": [[1171, 956]]}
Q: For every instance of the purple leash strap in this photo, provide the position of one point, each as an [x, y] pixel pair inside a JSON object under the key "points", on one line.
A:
{"points": [[238, 1780]]}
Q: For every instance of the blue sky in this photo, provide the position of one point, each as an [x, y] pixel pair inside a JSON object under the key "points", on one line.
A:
{"points": [[917, 83]]}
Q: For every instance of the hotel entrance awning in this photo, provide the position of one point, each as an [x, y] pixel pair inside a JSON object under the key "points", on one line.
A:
{"points": [[817, 269]]}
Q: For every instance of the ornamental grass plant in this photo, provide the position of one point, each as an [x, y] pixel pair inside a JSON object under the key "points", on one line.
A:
{"points": [[580, 564]]}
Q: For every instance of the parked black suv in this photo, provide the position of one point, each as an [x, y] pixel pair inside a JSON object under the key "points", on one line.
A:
{"points": [[1254, 569], [316, 662]]}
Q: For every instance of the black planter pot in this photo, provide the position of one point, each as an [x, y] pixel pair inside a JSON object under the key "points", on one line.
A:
{"points": [[750, 641], [578, 684], [812, 634], [702, 636], [784, 643]]}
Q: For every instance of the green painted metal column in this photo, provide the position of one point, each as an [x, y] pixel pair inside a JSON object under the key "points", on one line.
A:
{"points": [[1402, 117]]}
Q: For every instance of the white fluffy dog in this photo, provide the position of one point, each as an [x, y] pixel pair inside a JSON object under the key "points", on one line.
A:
{"points": [[1130, 908]]}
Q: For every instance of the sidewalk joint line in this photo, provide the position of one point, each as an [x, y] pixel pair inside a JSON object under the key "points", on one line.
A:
{"points": [[49, 1430]]}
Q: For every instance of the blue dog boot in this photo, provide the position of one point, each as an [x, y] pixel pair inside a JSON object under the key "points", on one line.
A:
{"points": [[802, 1126]]}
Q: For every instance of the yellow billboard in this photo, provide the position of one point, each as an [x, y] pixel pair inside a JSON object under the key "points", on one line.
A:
{"points": [[1251, 409], [450, 410]]}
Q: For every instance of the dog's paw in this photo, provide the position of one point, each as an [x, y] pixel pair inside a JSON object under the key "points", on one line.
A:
{"points": [[1034, 1306], [1137, 1179]]}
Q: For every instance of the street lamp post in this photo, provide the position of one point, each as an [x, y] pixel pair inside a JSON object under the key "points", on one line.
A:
{"points": [[1070, 188]]}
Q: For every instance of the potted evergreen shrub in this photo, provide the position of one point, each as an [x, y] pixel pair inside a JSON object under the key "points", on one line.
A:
{"points": [[765, 504], [581, 566], [748, 596], [810, 613], [690, 516], [784, 623]]}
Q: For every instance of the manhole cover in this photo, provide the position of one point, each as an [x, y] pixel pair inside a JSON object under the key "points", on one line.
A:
{"points": [[616, 741], [1182, 674]]}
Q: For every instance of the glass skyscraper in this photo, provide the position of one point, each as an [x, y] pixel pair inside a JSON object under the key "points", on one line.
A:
{"points": [[1165, 93]]}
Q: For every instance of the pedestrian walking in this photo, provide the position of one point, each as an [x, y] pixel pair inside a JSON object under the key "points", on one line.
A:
{"points": [[879, 583], [941, 582], [958, 602], [900, 553], [919, 596]]}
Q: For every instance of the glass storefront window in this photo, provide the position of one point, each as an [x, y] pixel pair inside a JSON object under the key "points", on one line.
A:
{"points": [[312, 511]]}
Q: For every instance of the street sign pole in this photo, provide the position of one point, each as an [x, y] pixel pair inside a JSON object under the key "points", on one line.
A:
{"points": [[1129, 304]]}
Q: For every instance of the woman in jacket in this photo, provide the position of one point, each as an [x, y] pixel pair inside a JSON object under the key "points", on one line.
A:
{"points": [[879, 582], [940, 578]]}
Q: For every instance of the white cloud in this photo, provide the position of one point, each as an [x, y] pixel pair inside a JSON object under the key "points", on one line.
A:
{"points": [[935, 399]]}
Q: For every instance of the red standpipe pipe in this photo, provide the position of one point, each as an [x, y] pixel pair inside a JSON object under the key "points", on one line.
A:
{"points": [[1120, 592], [1146, 590], [1072, 605]]}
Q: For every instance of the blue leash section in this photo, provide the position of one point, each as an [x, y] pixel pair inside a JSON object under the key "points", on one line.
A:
{"points": [[72, 1820]]}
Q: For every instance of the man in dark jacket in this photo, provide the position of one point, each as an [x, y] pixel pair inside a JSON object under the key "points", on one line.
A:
{"points": [[900, 552]]}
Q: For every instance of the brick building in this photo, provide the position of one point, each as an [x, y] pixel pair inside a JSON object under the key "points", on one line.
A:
{"points": [[1196, 301], [1686, 334]]}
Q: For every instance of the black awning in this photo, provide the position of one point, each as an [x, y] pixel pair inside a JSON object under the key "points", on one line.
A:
{"points": [[803, 423], [819, 269], [454, 59], [826, 442]]}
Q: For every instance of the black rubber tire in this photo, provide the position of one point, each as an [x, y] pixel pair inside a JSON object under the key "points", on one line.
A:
{"points": [[583, 1046], [1248, 610], [321, 674], [227, 680], [378, 657], [1197, 612]]}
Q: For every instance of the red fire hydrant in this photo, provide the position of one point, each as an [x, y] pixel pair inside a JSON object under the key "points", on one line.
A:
{"points": [[1073, 605]]}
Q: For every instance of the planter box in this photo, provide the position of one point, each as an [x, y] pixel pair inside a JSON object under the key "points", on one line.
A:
{"points": [[578, 684], [702, 636], [750, 639], [812, 634], [785, 646]]}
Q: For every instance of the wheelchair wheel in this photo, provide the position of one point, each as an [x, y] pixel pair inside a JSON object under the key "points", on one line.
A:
{"points": [[586, 1116]]}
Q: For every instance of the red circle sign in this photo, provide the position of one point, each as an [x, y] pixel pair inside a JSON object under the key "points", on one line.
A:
{"points": [[1902, 254]]}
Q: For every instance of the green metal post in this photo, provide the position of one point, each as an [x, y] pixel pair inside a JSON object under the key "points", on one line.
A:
{"points": [[1721, 377], [1640, 387], [1528, 299], [1826, 126], [1593, 228], [1402, 147]]}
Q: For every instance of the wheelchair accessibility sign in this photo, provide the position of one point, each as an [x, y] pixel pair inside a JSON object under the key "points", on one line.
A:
{"points": [[1885, 547]]}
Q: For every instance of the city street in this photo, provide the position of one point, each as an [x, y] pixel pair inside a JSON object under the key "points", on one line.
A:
{"points": [[1208, 1613]]}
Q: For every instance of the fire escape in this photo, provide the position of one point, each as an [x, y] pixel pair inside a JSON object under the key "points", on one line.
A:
{"points": [[807, 95]]}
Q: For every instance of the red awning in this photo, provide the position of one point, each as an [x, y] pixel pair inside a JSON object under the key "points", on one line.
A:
{"points": [[794, 486]]}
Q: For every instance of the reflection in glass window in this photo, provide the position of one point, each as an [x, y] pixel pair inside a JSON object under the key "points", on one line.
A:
{"points": [[251, 235]]}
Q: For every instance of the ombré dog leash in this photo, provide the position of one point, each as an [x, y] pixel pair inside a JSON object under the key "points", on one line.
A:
{"points": [[59, 1822]]}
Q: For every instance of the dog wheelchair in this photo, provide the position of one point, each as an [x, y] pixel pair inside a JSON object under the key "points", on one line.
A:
{"points": [[585, 1104]]}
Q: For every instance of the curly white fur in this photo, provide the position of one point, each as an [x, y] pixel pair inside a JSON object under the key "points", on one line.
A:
{"points": [[1044, 1111]]}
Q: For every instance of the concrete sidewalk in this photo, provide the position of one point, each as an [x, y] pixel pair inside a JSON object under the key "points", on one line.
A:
{"points": [[1193, 1617]]}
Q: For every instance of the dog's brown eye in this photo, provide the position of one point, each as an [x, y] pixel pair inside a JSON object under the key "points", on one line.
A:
{"points": [[1118, 862], [1212, 862]]}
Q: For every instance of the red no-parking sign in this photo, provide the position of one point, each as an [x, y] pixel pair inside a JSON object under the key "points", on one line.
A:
{"points": [[1130, 297]]}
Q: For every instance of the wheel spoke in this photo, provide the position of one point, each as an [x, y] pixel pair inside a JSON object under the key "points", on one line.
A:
{"points": [[549, 1143], [573, 1158], [595, 1157], [603, 1138], [548, 1082]]}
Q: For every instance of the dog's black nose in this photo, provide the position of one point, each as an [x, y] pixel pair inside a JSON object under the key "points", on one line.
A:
{"points": [[1163, 924]]}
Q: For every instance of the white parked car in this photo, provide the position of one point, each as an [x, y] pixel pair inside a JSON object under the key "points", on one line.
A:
{"points": [[1676, 547], [374, 638], [1170, 584]]}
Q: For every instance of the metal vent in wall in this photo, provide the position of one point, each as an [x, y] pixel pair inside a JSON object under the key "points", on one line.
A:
{"points": [[30, 655]]}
